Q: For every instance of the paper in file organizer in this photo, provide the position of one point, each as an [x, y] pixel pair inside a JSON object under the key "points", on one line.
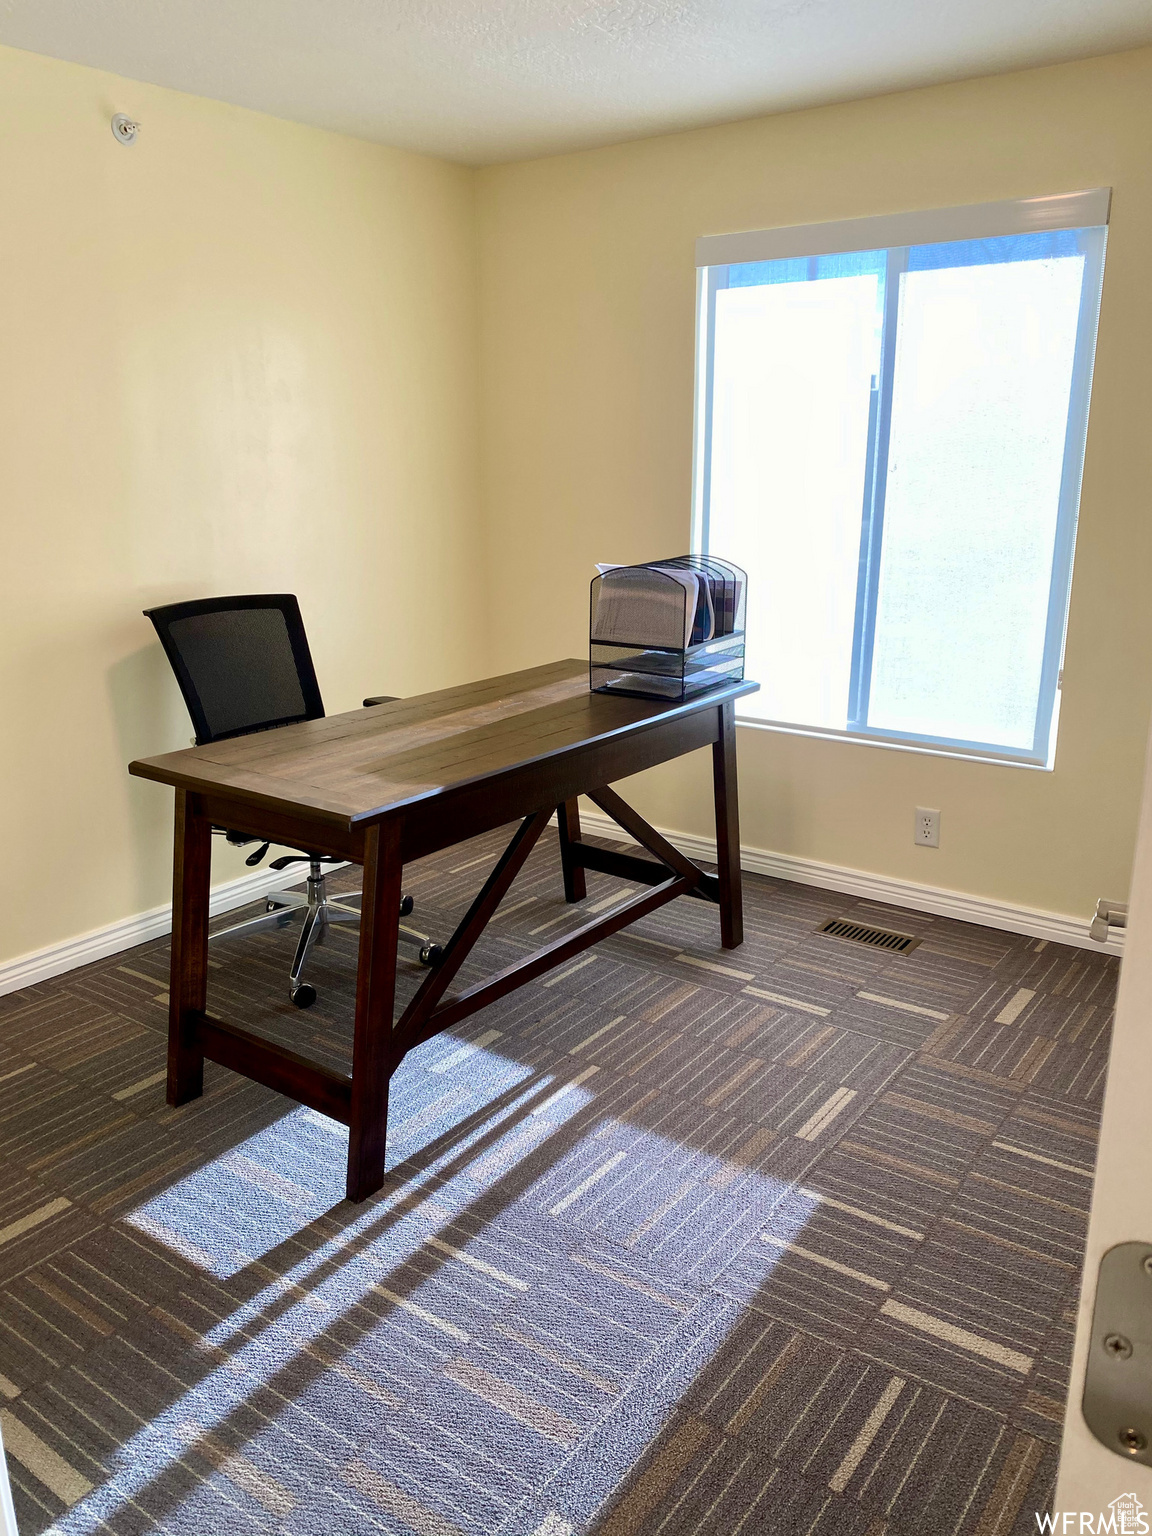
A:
{"points": [[671, 604], [645, 605]]}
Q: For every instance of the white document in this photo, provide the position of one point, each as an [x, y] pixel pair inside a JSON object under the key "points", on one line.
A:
{"points": [[646, 609]]}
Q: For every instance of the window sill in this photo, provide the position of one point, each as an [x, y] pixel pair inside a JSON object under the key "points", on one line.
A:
{"points": [[894, 745]]}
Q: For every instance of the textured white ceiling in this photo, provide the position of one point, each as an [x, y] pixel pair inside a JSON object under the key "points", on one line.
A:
{"points": [[485, 80]]}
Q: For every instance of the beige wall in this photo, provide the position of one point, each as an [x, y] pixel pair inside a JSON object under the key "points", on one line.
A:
{"points": [[240, 355], [587, 344]]}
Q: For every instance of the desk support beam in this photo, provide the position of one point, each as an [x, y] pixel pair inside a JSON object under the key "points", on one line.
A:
{"points": [[568, 823], [647, 836], [513, 976], [728, 829], [188, 985], [422, 1007], [626, 866], [375, 999], [282, 1070]]}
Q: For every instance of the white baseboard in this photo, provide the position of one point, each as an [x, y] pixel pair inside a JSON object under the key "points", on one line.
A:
{"points": [[1054, 926], [55, 959]]}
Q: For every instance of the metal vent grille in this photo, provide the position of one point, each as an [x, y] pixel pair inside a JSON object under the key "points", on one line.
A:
{"points": [[860, 933]]}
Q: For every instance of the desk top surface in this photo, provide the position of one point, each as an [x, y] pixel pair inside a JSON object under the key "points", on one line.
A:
{"points": [[357, 767]]}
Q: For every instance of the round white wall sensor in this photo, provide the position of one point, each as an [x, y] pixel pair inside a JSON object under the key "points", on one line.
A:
{"points": [[124, 129]]}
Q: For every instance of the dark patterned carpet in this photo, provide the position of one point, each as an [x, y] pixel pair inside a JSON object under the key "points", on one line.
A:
{"points": [[675, 1241]]}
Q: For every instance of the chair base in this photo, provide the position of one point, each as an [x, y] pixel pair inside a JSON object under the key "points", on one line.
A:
{"points": [[319, 912]]}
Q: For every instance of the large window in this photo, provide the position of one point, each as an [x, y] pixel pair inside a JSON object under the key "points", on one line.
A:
{"points": [[891, 419]]}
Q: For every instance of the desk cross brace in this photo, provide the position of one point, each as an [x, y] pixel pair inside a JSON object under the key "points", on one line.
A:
{"points": [[675, 876]]}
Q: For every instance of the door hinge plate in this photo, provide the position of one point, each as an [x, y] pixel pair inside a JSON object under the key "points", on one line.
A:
{"points": [[1118, 1383]]}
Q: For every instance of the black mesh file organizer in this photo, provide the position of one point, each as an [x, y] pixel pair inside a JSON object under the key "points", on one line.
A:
{"points": [[242, 663], [667, 629]]}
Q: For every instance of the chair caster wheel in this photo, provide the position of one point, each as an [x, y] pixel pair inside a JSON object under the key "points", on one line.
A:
{"points": [[406, 905], [430, 954], [304, 995]]}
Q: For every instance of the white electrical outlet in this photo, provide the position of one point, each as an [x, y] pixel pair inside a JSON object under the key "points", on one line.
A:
{"points": [[927, 831]]}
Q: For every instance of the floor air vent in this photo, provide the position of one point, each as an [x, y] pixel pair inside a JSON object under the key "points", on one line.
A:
{"points": [[876, 938]]}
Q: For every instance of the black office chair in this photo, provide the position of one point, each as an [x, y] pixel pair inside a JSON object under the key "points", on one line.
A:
{"points": [[243, 665]]}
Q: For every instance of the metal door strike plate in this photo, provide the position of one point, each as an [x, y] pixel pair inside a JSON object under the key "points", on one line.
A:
{"points": [[1118, 1383]]}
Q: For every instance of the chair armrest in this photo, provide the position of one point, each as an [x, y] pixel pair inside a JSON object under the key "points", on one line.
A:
{"points": [[382, 698]]}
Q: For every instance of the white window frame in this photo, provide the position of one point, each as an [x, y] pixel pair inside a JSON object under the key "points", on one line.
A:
{"points": [[1086, 210]]}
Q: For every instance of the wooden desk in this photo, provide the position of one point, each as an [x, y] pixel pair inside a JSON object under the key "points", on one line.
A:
{"points": [[385, 785]]}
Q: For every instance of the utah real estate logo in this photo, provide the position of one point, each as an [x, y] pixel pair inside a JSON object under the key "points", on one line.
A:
{"points": [[1125, 1516]]}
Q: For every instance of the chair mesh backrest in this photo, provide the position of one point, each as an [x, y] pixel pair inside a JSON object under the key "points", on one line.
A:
{"points": [[243, 663]]}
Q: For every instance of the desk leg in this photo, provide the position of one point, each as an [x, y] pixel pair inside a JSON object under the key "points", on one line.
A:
{"points": [[728, 830], [568, 821], [188, 987], [375, 999]]}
